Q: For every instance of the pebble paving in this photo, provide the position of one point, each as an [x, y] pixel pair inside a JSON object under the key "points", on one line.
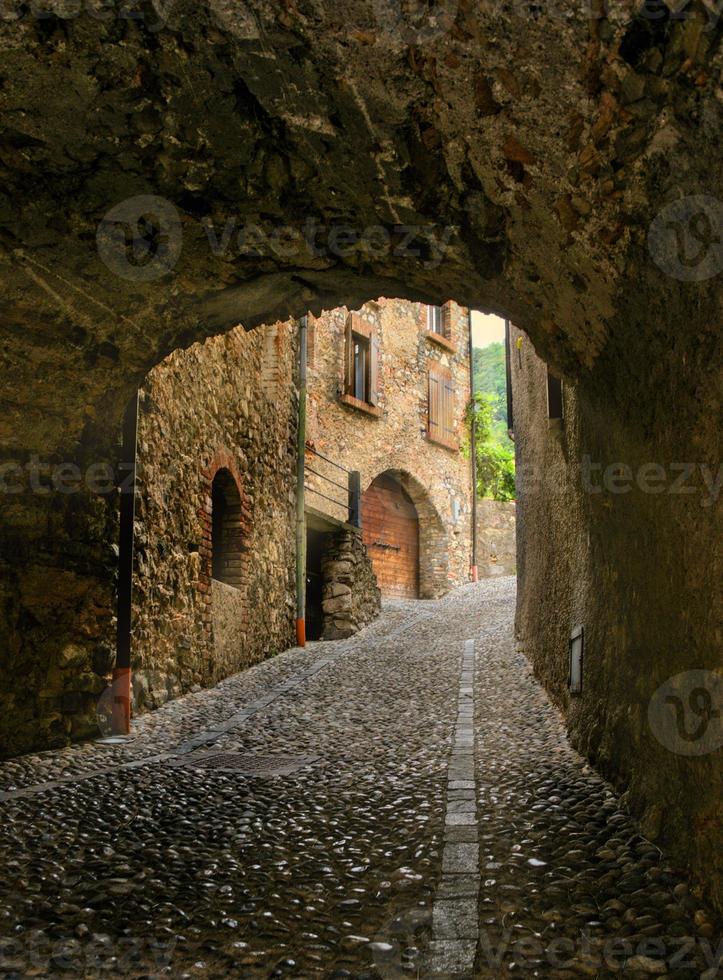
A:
{"points": [[358, 809]]}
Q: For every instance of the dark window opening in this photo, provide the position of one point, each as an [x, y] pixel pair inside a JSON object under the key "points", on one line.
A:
{"points": [[439, 321], [362, 364], [434, 320], [226, 536], [555, 406]]}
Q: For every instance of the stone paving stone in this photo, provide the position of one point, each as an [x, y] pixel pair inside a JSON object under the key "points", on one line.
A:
{"points": [[460, 794], [460, 820], [461, 806], [458, 886], [460, 858], [455, 918], [461, 833], [451, 958]]}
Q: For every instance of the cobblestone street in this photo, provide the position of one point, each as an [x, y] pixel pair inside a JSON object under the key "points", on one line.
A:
{"points": [[402, 803]]}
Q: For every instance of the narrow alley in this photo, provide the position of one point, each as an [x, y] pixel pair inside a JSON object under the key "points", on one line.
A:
{"points": [[359, 808]]}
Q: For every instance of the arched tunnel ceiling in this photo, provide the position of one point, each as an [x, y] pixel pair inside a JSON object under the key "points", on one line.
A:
{"points": [[530, 146]]}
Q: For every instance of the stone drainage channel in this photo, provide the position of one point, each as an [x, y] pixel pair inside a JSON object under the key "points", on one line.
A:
{"points": [[455, 921]]}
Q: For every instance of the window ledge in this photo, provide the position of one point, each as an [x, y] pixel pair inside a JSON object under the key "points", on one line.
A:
{"points": [[357, 403], [438, 338], [452, 444]]}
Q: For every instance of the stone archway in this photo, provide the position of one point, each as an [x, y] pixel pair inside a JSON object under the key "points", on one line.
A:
{"points": [[405, 537], [226, 532], [538, 153], [223, 586]]}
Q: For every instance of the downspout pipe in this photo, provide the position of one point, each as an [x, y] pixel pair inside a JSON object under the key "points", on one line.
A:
{"points": [[474, 569], [121, 707], [300, 473]]}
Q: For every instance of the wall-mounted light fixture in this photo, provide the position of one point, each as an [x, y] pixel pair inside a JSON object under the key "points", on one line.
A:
{"points": [[577, 651]]}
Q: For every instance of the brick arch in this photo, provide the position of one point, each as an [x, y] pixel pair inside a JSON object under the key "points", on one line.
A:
{"points": [[221, 461], [227, 544], [433, 544]]}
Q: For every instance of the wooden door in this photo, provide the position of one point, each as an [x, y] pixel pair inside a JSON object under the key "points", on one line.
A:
{"points": [[390, 529]]}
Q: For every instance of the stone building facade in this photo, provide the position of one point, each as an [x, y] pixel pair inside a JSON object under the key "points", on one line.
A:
{"points": [[388, 392], [214, 530]]}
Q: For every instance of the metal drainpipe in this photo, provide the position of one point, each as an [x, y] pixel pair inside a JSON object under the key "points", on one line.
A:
{"points": [[474, 570], [300, 466], [121, 709]]}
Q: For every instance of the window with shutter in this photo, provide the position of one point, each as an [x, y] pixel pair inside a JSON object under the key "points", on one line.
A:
{"points": [[447, 321], [361, 370], [439, 325], [440, 416]]}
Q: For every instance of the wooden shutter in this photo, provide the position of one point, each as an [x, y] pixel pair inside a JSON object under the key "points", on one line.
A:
{"points": [[447, 321], [310, 340], [440, 418], [448, 410], [374, 368], [349, 357], [433, 430]]}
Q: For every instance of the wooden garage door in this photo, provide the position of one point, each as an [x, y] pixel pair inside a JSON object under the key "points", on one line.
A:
{"points": [[390, 529]]}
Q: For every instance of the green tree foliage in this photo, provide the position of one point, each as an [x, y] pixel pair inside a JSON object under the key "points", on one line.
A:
{"points": [[490, 377], [495, 449]]}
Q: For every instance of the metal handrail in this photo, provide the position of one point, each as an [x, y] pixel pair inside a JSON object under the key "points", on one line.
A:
{"points": [[331, 500], [321, 476], [316, 452], [352, 504]]}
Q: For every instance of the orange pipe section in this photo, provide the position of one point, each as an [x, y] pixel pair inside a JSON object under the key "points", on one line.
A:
{"points": [[301, 632], [475, 573], [121, 710]]}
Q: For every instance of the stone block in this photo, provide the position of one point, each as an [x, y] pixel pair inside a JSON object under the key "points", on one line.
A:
{"points": [[460, 858], [455, 918]]}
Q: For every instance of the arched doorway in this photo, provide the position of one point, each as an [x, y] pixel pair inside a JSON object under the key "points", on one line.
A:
{"points": [[226, 536], [390, 529]]}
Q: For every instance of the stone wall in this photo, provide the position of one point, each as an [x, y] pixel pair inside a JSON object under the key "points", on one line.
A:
{"points": [[351, 598], [618, 532], [228, 405], [496, 537], [394, 437]]}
